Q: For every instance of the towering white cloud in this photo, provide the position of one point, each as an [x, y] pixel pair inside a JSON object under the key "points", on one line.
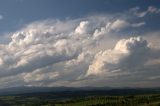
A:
{"points": [[127, 53], [77, 52], [82, 28]]}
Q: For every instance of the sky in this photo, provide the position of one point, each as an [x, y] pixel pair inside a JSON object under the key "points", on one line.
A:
{"points": [[78, 43]]}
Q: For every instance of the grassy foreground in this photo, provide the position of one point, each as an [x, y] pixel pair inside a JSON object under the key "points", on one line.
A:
{"points": [[51, 100], [138, 100]]}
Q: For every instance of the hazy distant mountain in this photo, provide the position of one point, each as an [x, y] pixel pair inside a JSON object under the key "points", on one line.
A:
{"points": [[21, 90], [88, 90]]}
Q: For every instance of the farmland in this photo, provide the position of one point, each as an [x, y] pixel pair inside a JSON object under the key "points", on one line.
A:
{"points": [[85, 98]]}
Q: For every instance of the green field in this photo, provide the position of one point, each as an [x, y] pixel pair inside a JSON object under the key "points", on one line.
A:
{"points": [[50, 100], [137, 100]]}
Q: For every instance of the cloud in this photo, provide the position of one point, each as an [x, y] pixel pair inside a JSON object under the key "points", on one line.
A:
{"points": [[127, 53], [138, 24], [79, 52], [44, 44], [36, 47], [1, 17], [82, 28], [120, 24], [40, 75], [150, 10]]}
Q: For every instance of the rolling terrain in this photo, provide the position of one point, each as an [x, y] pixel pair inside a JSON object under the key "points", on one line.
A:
{"points": [[85, 96]]}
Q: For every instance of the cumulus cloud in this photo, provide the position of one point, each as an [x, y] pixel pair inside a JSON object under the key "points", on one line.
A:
{"points": [[43, 44], [40, 75], [118, 25], [70, 52], [82, 28], [126, 54]]}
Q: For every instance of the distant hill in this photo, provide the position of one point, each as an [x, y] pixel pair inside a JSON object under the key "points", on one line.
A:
{"points": [[24, 89], [79, 90]]}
